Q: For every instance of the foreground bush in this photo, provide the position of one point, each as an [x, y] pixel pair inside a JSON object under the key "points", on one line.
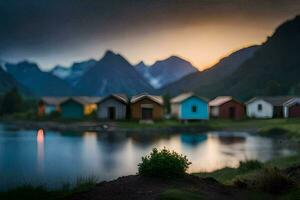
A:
{"points": [[163, 163]]}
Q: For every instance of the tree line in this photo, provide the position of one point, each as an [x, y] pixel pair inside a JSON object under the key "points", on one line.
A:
{"points": [[13, 102]]}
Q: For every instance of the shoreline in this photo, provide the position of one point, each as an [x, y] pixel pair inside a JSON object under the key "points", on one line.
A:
{"points": [[270, 127], [81, 126]]}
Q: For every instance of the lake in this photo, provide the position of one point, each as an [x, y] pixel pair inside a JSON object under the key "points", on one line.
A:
{"points": [[55, 158]]}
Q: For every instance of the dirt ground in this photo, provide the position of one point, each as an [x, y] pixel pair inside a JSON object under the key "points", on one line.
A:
{"points": [[137, 187]]}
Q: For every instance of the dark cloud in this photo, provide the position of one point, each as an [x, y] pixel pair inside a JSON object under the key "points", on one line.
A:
{"points": [[41, 27]]}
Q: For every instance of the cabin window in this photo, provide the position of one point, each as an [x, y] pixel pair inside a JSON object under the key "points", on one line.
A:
{"points": [[194, 108], [259, 107]]}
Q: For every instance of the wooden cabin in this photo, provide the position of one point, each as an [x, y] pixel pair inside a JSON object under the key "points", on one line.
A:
{"points": [[146, 107], [113, 107], [226, 107], [49, 105], [266, 107], [189, 106], [78, 107], [291, 108]]}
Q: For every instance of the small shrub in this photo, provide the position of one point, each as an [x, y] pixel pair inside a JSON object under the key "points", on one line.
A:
{"points": [[163, 163], [274, 181], [249, 165]]}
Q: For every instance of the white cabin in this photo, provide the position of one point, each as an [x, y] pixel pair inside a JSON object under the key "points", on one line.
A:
{"points": [[266, 107], [259, 109]]}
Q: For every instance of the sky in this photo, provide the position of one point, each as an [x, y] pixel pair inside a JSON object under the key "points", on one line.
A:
{"points": [[52, 32]]}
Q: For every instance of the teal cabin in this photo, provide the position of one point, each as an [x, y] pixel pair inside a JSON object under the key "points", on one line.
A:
{"points": [[72, 109], [189, 106]]}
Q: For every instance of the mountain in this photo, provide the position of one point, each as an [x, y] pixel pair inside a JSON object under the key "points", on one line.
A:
{"points": [[73, 73], [38, 82], [7, 82], [221, 70], [112, 74], [273, 70], [141, 67], [166, 71]]}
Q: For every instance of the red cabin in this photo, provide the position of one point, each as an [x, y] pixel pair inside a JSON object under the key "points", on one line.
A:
{"points": [[226, 107]]}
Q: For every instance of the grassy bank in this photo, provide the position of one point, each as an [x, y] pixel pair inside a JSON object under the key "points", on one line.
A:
{"points": [[29, 192], [268, 127], [228, 175], [290, 127], [253, 173]]}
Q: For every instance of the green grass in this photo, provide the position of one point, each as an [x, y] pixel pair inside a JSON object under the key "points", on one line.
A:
{"points": [[29, 192], [157, 124], [290, 127], [176, 194], [228, 175], [284, 162]]}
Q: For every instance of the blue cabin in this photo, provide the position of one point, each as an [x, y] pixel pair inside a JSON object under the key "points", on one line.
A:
{"points": [[189, 106], [72, 109], [78, 107]]}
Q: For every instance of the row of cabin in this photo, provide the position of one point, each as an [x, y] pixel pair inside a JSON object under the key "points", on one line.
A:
{"points": [[187, 106], [112, 107]]}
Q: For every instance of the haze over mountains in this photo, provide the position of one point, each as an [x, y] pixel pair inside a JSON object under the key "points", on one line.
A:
{"points": [[166, 71], [38, 82], [73, 73], [272, 68]]}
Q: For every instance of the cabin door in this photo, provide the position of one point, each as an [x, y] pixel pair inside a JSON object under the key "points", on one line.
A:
{"points": [[147, 113], [278, 112], [232, 112], [111, 113]]}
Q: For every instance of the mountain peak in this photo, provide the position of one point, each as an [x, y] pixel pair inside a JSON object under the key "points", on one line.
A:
{"points": [[141, 64], [173, 57], [174, 60], [109, 53], [24, 65]]}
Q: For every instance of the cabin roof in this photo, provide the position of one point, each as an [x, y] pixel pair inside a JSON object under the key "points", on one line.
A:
{"points": [[121, 97], [292, 101], [218, 101], [53, 100], [275, 101], [157, 99], [84, 100], [182, 97]]}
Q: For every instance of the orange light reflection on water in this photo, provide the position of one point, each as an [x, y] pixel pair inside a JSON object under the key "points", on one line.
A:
{"points": [[40, 150]]}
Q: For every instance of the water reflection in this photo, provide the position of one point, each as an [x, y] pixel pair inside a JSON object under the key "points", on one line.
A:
{"points": [[40, 150], [63, 157], [193, 139]]}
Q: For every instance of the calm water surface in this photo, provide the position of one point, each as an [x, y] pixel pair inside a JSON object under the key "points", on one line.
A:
{"points": [[56, 158]]}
